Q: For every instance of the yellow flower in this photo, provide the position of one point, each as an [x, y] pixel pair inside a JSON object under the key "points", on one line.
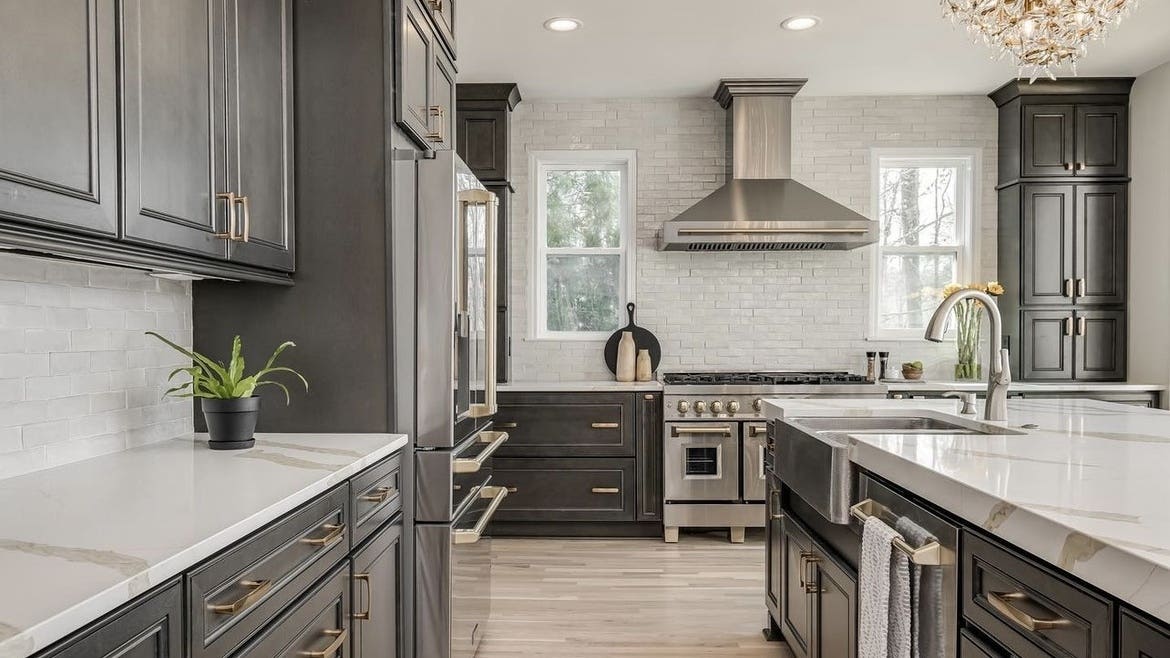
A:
{"points": [[994, 288], [950, 289]]}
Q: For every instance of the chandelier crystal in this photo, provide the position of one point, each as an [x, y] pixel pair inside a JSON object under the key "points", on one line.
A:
{"points": [[1040, 35]]}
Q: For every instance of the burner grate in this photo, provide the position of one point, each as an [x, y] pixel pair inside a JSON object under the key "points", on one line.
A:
{"points": [[822, 378]]}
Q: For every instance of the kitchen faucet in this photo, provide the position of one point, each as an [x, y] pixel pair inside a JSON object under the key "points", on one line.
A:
{"points": [[1000, 372]]}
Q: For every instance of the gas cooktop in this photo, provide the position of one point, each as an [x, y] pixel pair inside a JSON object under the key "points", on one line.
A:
{"points": [[825, 378]]}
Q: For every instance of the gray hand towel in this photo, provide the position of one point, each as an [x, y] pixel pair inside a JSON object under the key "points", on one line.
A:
{"points": [[925, 593], [884, 614]]}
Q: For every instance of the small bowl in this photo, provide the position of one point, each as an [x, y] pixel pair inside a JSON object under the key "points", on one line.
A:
{"points": [[912, 375]]}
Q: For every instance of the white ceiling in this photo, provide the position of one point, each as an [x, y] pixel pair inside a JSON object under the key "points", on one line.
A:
{"points": [[683, 47]]}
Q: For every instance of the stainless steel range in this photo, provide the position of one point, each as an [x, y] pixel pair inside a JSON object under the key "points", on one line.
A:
{"points": [[715, 435]]}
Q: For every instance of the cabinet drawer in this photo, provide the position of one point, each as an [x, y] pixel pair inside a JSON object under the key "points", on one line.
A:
{"points": [[1030, 609], [317, 625], [971, 646], [1141, 638], [152, 627], [572, 425], [375, 496], [238, 591], [566, 489]]}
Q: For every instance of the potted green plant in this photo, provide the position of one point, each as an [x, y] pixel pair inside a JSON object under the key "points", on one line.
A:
{"points": [[226, 394]]}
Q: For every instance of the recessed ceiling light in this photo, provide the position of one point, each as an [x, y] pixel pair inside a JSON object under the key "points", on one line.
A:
{"points": [[798, 23], [562, 24]]}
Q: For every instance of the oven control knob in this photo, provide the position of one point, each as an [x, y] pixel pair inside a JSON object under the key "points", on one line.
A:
{"points": [[758, 405], [700, 407], [733, 407], [716, 407], [683, 406]]}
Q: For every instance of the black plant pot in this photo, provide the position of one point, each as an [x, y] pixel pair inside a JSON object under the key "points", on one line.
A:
{"points": [[231, 423]]}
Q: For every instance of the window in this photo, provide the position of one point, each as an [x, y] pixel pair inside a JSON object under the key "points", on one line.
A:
{"points": [[583, 242], [925, 202]]}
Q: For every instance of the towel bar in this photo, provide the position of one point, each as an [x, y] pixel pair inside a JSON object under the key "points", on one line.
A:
{"points": [[932, 554]]}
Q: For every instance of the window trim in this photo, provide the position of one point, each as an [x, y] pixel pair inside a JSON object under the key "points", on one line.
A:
{"points": [[540, 162], [968, 197]]}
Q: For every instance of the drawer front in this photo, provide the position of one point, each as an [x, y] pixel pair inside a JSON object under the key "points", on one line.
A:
{"points": [[317, 625], [566, 489], [567, 425], [236, 593], [149, 628], [971, 646], [1029, 608], [375, 497], [1142, 639]]}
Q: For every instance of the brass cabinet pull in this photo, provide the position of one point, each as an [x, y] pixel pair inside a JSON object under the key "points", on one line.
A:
{"points": [[1082, 326], [494, 439], [1068, 326], [807, 558], [605, 426], [1002, 602], [1068, 166], [436, 112], [246, 234], [380, 494], [722, 430], [507, 426], [811, 586], [258, 588], [512, 490], [1068, 287], [1080, 166], [606, 490], [1082, 289], [336, 531], [339, 636], [436, 5], [364, 578], [231, 198]]}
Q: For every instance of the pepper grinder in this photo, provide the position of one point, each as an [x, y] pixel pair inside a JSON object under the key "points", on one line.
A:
{"points": [[871, 367], [885, 365]]}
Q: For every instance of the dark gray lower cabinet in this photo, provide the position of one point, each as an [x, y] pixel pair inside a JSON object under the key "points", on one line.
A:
{"points": [[649, 457], [570, 489], [377, 595], [1142, 639], [796, 614], [972, 646], [316, 625], [818, 596], [149, 628], [567, 424]]}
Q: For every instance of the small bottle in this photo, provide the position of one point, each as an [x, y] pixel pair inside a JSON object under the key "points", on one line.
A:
{"points": [[642, 369], [871, 367], [885, 365]]}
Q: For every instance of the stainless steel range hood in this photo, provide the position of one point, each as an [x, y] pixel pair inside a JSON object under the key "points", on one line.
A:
{"points": [[761, 208]]}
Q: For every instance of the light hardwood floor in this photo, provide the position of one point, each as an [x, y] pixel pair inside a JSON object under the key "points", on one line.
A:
{"points": [[586, 598]]}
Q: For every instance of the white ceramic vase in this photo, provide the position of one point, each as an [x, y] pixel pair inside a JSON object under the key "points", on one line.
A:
{"points": [[642, 369], [626, 356]]}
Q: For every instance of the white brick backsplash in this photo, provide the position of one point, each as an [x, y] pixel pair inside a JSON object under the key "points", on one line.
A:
{"points": [[743, 310], [78, 378]]}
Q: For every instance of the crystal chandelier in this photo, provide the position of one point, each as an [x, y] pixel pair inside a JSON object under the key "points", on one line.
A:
{"points": [[1039, 35]]}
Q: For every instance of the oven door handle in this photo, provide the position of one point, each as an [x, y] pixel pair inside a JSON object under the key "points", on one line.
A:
{"points": [[494, 441], [497, 494], [722, 430]]}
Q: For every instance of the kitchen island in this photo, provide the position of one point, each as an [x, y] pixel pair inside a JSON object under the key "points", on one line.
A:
{"points": [[1080, 485], [81, 540]]}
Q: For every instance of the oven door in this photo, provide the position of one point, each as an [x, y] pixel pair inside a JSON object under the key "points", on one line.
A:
{"points": [[701, 461], [755, 484]]}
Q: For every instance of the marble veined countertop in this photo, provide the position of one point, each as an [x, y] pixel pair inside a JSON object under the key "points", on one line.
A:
{"points": [[1086, 490], [940, 386], [582, 386], [79, 540]]}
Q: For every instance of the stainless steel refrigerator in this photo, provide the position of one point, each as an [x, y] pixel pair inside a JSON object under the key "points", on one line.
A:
{"points": [[455, 496]]}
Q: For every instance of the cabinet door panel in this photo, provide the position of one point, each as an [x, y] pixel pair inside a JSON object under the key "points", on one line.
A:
{"points": [[1048, 244], [1101, 345], [443, 88], [483, 140], [260, 160], [774, 551], [152, 628], [1101, 244], [1048, 140], [1140, 639], [377, 595], [415, 56], [173, 142], [836, 612], [796, 603], [58, 117], [650, 457], [1048, 345], [443, 13], [1102, 140]]}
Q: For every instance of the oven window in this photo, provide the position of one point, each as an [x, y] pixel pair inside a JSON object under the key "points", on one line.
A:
{"points": [[702, 461]]}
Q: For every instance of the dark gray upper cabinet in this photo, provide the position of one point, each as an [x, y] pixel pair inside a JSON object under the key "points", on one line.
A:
{"points": [[151, 627], [1048, 140], [424, 81], [377, 595], [485, 126], [1047, 247], [173, 143], [442, 14], [58, 100], [1101, 239], [259, 131], [1102, 140]]}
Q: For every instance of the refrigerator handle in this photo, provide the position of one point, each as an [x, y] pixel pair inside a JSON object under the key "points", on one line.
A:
{"points": [[491, 266]]}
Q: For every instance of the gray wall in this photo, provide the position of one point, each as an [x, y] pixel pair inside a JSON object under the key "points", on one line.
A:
{"points": [[78, 378], [1150, 228], [751, 310]]}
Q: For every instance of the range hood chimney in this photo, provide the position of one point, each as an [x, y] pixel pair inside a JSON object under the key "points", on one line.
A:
{"points": [[761, 208]]}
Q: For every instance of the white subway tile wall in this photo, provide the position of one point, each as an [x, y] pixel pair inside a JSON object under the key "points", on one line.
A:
{"points": [[78, 378], [742, 310]]}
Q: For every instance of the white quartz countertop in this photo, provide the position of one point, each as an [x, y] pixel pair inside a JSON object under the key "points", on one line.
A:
{"points": [[940, 386], [77, 541], [581, 387], [1086, 489]]}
